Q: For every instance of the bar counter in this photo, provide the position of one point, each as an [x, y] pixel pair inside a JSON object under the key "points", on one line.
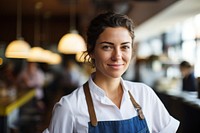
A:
{"points": [[8, 105], [184, 106]]}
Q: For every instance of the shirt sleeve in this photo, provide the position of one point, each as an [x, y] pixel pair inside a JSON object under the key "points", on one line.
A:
{"points": [[62, 118], [162, 121], [46, 131], [172, 126]]}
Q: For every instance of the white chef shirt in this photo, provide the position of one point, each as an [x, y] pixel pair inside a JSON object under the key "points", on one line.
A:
{"points": [[70, 114]]}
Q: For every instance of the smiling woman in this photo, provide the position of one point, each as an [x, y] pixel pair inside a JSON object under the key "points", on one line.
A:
{"points": [[106, 102], [113, 52]]}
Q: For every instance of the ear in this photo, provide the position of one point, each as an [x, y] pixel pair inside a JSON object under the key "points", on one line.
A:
{"points": [[92, 55]]}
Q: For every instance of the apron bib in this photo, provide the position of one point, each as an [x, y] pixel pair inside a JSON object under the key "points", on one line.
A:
{"points": [[136, 124]]}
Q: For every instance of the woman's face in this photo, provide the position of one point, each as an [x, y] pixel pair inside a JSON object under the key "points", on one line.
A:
{"points": [[113, 52]]}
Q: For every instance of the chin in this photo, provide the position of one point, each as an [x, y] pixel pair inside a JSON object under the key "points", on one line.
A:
{"points": [[115, 75]]}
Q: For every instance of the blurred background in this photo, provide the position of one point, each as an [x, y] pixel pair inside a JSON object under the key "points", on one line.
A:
{"points": [[40, 58]]}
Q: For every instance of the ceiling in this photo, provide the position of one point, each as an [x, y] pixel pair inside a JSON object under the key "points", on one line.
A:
{"points": [[57, 10], [165, 20]]}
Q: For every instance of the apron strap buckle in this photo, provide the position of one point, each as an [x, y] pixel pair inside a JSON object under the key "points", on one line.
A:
{"points": [[137, 107]]}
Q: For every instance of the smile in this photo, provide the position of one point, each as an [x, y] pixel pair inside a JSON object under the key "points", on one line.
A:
{"points": [[115, 65]]}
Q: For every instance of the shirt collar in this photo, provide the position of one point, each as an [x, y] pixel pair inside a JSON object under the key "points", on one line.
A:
{"points": [[94, 88], [100, 92]]}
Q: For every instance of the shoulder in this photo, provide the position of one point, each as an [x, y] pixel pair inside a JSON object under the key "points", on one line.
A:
{"points": [[137, 86], [71, 101], [141, 92], [67, 112]]}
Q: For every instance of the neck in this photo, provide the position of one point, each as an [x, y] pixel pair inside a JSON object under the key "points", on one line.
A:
{"points": [[112, 88], [106, 83]]}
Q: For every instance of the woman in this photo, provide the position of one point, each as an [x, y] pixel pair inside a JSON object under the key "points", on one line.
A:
{"points": [[106, 102]]}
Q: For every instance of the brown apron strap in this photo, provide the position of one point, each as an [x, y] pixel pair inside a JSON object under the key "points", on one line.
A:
{"points": [[137, 107], [90, 105], [91, 110]]}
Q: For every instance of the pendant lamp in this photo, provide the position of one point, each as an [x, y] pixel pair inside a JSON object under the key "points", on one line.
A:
{"points": [[18, 48], [36, 52], [72, 42], [55, 59]]}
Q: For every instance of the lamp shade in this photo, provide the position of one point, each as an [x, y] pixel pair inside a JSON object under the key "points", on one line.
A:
{"points": [[47, 56], [35, 54], [71, 43], [17, 49], [55, 59]]}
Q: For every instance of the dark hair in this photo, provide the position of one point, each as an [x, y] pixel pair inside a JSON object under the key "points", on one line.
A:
{"points": [[103, 21], [185, 64]]}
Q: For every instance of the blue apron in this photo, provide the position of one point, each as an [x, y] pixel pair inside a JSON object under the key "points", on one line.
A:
{"points": [[136, 124]]}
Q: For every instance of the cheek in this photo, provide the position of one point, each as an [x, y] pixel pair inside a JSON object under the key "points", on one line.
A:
{"points": [[102, 57], [127, 56]]}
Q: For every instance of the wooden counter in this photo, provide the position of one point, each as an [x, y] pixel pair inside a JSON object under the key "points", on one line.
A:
{"points": [[8, 105]]}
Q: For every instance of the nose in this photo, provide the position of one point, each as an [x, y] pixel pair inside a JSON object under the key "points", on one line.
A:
{"points": [[117, 54]]}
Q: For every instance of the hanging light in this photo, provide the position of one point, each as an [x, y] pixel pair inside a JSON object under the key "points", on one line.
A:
{"points": [[36, 52], [55, 59], [72, 42], [18, 48], [46, 56]]}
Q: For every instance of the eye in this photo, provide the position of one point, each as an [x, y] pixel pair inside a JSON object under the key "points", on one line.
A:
{"points": [[106, 47], [125, 47]]}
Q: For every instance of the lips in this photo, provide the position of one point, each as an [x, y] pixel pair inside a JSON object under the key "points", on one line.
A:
{"points": [[116, 66]]}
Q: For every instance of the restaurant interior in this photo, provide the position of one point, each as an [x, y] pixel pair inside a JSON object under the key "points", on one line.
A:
{"points": [[46, 39]]}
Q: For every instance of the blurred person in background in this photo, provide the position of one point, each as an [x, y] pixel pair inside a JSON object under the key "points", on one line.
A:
{"points": [[32, 77], [8, 77], [71, 76], [188, 79]]}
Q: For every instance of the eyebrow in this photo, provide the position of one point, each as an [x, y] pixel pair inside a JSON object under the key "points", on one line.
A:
{"points": [[112, 43]]}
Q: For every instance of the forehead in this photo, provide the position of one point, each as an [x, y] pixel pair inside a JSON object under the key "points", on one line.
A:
{"points": [[114, 32]]}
